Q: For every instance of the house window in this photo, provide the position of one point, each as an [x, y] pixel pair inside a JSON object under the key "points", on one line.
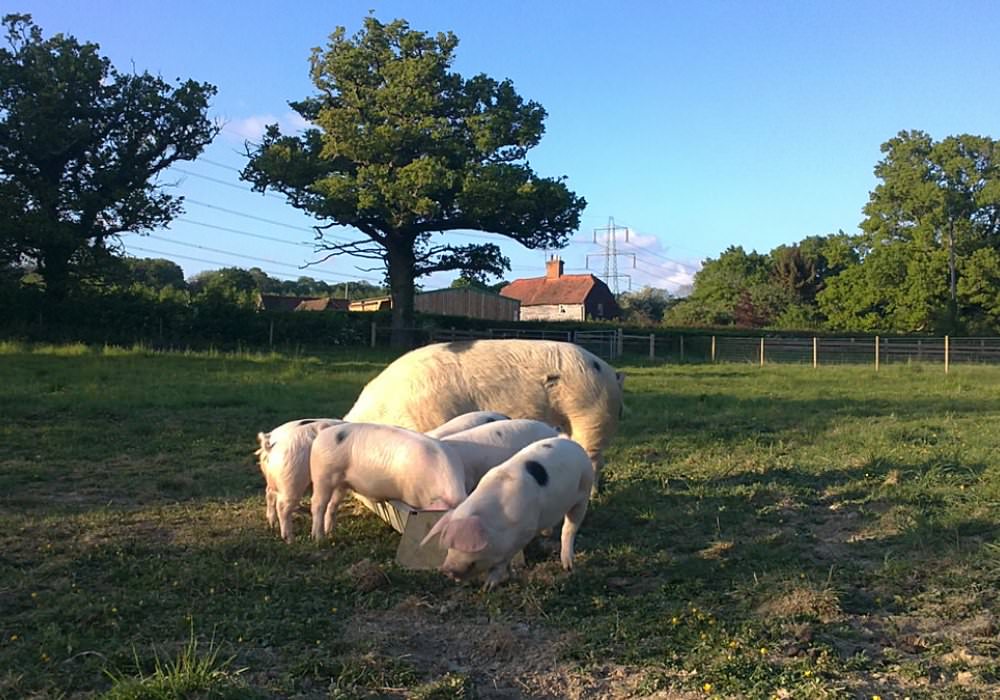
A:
{"points": [[600, 310]]}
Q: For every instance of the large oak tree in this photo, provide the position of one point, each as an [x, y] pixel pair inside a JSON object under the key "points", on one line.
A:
{"points": [[401, 148], [81, 149]]}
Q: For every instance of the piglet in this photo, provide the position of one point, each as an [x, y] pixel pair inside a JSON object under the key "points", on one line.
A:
{"points": [[382, 463], [486, 446], [284, 462], [465, 422], [547, 481]]}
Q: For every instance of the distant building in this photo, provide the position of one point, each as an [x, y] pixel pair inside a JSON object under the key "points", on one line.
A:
{"points": [[561, 297], [454, 301], [468, 302], [277, 302], [371, 304]]}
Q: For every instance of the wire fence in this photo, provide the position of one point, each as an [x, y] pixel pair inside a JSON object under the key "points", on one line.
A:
{"points": [[613, 344]]}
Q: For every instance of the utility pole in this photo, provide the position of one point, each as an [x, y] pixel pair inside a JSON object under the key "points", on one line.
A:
{"points": [[611, 255]]}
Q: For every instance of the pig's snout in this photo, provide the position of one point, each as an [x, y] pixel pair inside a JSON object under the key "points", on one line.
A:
{"points": [[458, 572]]}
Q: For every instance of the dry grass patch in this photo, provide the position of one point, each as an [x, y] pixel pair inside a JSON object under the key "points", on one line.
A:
{"points": [[803, 602]]}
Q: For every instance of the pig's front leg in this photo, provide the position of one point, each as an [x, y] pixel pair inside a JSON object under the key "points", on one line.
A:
{"points": [[497, 575], [571, 524]]}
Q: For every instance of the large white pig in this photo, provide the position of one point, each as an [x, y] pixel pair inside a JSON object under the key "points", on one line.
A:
{"points": [[544, 483], [484, 447], [558, 383], [284, 462], [466, 421], [381, 463]]}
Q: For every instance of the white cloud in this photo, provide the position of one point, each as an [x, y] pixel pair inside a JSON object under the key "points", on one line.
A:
{"points": [[654, 267], [252, 128]]}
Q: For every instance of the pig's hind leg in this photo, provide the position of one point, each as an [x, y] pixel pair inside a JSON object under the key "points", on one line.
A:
{"points": [[271, 499], [285, 506], [326, 499], [571, 525]]}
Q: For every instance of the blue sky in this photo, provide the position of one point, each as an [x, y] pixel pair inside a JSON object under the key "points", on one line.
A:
{"points": [[697, 125]]}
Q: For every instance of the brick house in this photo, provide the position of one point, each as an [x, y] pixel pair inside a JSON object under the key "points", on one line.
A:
{"points": [[562, 297]]}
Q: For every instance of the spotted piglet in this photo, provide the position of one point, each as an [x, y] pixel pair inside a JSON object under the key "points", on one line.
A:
{"points": [[548, 481]]}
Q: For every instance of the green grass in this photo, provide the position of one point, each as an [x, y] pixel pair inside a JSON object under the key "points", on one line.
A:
{"points": [[776, 532]]}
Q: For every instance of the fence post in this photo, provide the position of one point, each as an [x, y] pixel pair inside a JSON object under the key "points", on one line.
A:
{"points": [[876, 353], [762, 351], [815, 353], [946, 354], [270, 335], [373, 334], [713, 348], [682, 348], [621, 342], [652, 346]]}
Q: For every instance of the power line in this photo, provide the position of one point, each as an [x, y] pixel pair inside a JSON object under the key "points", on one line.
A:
{"points": [[261, 218], [219, 165], [245, 257], [243, 233], [234, 185], [222, 264]]}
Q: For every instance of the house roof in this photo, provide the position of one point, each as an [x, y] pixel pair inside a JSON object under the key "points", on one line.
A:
{"points": [[565, 289], [322, 304], [278, 302]]}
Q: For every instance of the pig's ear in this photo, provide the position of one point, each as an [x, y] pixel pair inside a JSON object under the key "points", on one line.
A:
{"points": [[466, 535], [438, 526]]}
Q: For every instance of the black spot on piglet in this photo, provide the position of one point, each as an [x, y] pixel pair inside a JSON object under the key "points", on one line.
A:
{"points": [[547, 445], [537, 472], [597, 365], [491, 419], [341, 436], [307, 421]]}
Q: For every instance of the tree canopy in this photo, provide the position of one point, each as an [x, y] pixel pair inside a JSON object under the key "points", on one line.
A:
{"points": [[81, 149], [401, 148]]}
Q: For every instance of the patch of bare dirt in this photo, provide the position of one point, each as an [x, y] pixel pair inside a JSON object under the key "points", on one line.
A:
{"points": [[505, 659]]}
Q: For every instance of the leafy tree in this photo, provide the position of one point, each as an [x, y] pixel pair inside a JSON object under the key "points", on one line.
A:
{"points": [[979, 290], [896, 287], [403, 148], [720, 285], [463, 282], [81, 146], [232, 280], [936, 196], [646, 306], [156, 273]]}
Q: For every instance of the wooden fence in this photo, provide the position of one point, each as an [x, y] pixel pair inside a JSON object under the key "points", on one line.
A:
{"points": [[816, 351]]}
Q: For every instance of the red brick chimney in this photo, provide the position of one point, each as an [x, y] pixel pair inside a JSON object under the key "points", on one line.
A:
{"points": [[553, 268]]}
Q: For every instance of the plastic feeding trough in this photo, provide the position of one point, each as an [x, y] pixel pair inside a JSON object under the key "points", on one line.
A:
{"points": [[414, 525]]}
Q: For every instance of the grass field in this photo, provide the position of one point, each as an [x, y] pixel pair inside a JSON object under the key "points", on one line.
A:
{"points": [[778, 532]]}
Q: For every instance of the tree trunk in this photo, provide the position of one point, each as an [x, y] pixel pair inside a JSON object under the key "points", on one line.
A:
{"points": [[951, 263], [53, 266], [401, 263]]}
